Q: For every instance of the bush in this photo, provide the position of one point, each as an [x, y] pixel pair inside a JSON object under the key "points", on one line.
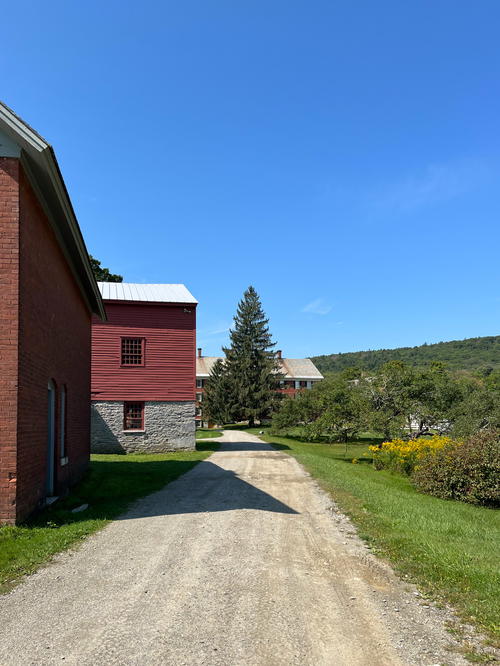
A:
{"points": [[468, 471], [400, 455]]}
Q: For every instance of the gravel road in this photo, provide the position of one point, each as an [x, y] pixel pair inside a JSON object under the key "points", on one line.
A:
{"points": [[243, 560]]}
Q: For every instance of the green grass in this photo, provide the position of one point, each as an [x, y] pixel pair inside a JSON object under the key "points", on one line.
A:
{"points": [[449, 548], [111, 485], [205, 433]]}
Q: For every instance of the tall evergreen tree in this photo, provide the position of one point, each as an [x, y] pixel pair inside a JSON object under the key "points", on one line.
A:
{"points": [[217, 405], [251, 362]]}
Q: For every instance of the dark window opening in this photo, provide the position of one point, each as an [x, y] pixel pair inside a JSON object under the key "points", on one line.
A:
{"points": [[132, 351], [133, 416]]}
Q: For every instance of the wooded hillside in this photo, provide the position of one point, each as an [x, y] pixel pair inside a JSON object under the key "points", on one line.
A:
{"points": [[469, 354]]}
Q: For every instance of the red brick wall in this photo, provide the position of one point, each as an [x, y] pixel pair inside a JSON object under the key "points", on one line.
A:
{"points": [[55, 336], [9, 257]]}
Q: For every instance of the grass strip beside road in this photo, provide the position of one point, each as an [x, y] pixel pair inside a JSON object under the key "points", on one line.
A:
{"points": [[206, 433], [111, 485], [450, 549]]}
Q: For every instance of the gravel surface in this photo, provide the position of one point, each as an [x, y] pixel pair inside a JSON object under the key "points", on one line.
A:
{"points": [[243, 560]]}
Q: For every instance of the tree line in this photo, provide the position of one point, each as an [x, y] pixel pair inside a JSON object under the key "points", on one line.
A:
{"points": [[470, 354], [398, 400]]}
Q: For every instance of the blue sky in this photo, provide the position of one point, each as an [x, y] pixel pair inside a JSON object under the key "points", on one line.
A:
{"points": [[342, 157]]}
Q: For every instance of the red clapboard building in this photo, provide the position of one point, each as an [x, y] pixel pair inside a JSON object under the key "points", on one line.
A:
{"points": [[48, 295], [143, 369]]}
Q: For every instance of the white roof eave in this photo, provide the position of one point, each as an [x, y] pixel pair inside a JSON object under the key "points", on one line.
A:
{"points": [[38, 156]]}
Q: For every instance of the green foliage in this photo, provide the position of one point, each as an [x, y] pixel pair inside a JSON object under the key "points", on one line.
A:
{"points": [[251, 364], [468, 471], [219, 395], [412, 401], [292, 412], [203, 433], [334, 409], [341, 408], [388, 399], [102, 274], [479, 407], [475, 354], [398, 401]]}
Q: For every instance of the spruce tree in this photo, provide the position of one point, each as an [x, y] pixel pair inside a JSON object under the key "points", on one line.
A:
{"points": [[251, 363], [217, 405]]}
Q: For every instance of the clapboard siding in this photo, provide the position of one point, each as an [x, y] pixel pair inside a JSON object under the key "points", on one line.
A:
{"points": [[170, 339]]}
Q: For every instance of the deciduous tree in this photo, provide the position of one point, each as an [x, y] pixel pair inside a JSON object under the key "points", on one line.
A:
{"points": [[102, 274]]}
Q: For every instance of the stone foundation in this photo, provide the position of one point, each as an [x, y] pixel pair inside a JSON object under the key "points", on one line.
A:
{"points": [[168, 426]]}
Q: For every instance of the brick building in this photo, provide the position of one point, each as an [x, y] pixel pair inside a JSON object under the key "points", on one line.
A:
{"points": [[298, 374], [143, 369], [48, 295]]}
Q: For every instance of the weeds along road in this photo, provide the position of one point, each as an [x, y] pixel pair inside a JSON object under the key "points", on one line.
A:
{"points": [[243, 560]]}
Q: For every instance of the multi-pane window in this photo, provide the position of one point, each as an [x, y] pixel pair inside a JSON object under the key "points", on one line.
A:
{"points": [[132, 351], [199, 397], [199, 383], [133, 416]]}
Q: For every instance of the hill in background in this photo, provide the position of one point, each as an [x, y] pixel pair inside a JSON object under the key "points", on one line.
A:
{"points": [[470, 354]]}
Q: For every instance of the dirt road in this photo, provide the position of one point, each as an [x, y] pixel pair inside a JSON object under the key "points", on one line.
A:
{"points": [[241, 561]]}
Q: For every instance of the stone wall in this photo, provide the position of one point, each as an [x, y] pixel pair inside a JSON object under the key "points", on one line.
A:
{"points": [[168, 426]]}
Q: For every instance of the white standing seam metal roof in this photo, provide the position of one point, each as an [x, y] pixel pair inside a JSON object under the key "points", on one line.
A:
{"points": [[152, 293]]}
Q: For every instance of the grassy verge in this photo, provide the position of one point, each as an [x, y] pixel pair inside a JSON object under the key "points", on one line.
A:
{"points": [[205, 433], [449, 548], [112, 484]]}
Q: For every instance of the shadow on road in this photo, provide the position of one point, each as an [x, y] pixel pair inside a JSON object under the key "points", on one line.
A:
{"points": [[249, 446], [207, 488]]}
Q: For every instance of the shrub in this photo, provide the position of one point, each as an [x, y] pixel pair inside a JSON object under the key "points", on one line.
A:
{"points": [[469, 472], [402, 456]]}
